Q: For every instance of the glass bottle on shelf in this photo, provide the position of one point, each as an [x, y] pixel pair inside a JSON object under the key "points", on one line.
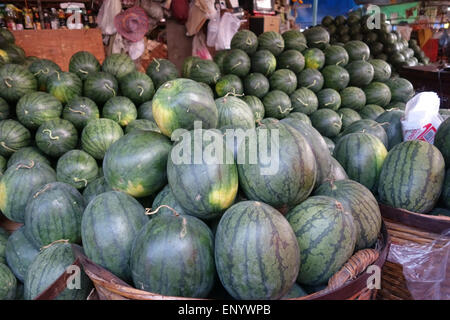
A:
{"points": [[36, 19], [62, 19], [28, 19], [47, 23], [92, 23], [19, 21], [85, 19], [54, 19]]}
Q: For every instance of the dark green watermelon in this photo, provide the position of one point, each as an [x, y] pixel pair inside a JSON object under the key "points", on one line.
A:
{"points": [[131, 166], [94, 188], [294, 39], [353, 98], [317, 37], [142, 124], [361, 155], [272, 41], [278, 264], [401, 89], [27, 154], [13, 137], [229, 83], [42, 69], [329, 98], [2, 165], [137, 86], [234, 113], [382, 70], [277, 104], [15, 82], [99, 135], [256, 84], [326, 235], [257, 107], [79, 111], [7, 35], [327, 21], [188, 271], [378, 93], [300, 116], [367, 126], [218, 58], [56, 137], [348, 116], [304, 100], [284, 80], [391, 123], [76, 168], [161, 71], [120, 109], [357, 50], [292, 60], [335, 77], [165, 198], [358, 200], [361, 73], [442, 140], [4, 235], [263, 61], [14, 193], [33, 109], [4, 109], [187, 65], [327, 122], [376, 48], [118, 64], [337, 172], [245, 40], [330, 144], [371, 111], [310, 79], [54, 212], [295, 292], [145, 111], [100, 87], [84, 63], [207, 71], [314, 58], [15, 53], [64, 86], [236, 62], [416, 184], [8, 283]]}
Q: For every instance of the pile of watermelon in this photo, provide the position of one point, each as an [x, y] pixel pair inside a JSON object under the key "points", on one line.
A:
{"points": [[107, 158]]}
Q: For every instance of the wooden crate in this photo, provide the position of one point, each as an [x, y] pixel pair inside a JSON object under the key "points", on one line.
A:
{"points": [[60, 45]]}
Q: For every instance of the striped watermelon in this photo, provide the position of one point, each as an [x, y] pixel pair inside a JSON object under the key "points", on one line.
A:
{"points": [[245, 40], [358, 200], [83, 63], [99, 135], [329, 99], [2, 165], [391, 123], [317, 37], [229, 83], [378, 93], [300, 116], [277, 104], [76, 168], [337, 172], [94, 188], [8, 283], [257, 107], [292, 60], [263, 61], [314, 58], [327, 122], [137, 86], [54, 212], [13, 137], [284, 80], [15, 82], [14, 193], [80, 111], [120, 109], [336, 56], [367, 126], [335, 77], [42, 69], [188, 271], [64, 86], [382, 70], [371, 111], [357, 50], [166, 197], [33, 109], [326, 235], [362, 156], [361, 73], [256, 84], [100, 87], [330, 144], [207, 71], [27, 154], [442, 140], [161, 71], [256, 246], [142, 124], [348, 116], [56, 137], [416, 184], [310, 79], [304, 100], [4, 235], [271, 41], [118, 64], [401, 89], [294, 39], [219, 56], [4, 109], [234, 113], [145, 111], [353, 98]]}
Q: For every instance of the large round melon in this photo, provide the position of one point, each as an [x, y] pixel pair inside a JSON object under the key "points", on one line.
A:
{"points": [[391, 123], [304, 100], [100, 87], [378, 93], [236, 62], [33, 109], [366, 126], [83, 63], [27, 154], [8, 283], [16, 81], [284, 80], [13, 137], [94, 188], [234, 113], [165, 198], [80, 111], [161, 71], [64, 86], [118, 64], [120, 109], [76, 168], [42, 69], [137, 86], [442, 140], [99, 135], [264, 62], [272, 41], [256, 84], [245, 40], [294, 39], [56, 137], [277, 104]]}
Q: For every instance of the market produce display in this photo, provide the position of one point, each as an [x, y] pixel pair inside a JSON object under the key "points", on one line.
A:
{"points": [[114, 160]]}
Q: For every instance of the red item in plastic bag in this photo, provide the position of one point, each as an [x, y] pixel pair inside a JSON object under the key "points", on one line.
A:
{"points": [[180, 10]]}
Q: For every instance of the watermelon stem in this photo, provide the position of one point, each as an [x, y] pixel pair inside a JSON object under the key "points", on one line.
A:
{"points": [[41, 191], [77, 111], [343, 60], [287, 110], [312, 84], [249, 41], [57, 73], [54, 242], [107, 86], [3, 144], [82, 71], [157, 64], [331, 102], [301, 101], [50, 134], [21, 165], [236, 65], [80, 180], [9, 85], [149, 213], [142, 91]]}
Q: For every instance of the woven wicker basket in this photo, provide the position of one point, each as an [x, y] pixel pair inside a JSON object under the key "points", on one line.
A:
{"points": [[405, 227]]}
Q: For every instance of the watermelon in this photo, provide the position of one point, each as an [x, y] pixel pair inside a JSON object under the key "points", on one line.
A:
{"points": [[79, 111], [229, 83], [94, 188], [13, 136], [327, 122], [161, 71], [357, 50], [33, 109], [56, 137], [284, 80], [211, 195], [327, 21], [256, 84], [237, 62], [292, 60], [2, 165], [4, 109], [245, 40], [250, 233], [337, 172], [218, 58], [377, 93], [234, 113], [272, 41], [371, 111], [361, 73], [42, 69], [120, 109], [100, 87], [382, 70], [54, 212], [335, 77], [64, 86], [207, 71], [367, 126], [314, 58], [83, 63], [446, 190], [442, 140], [14, 193], [8, 283], [295, 40], [304, 100], [4, 235], [7, 36], [310, 79], [27, 154], [300, 116], [137, 86], [317, 37], [376, 49], [295, 292], [263, 61], [277, 104], [391, 123], [416, 184], [287, 181], [165, 197], [118, 65], [358, 200], [397, 59], [348, 116], [318, 146], [144, 111], [48, 266], [135, 163], [76, 168], [15, 82], [362, 156], [142, 124], [402, 90], [329, 98], [326, 236], [330, 144], [257, 107], [187, 65], [188, 271], [14, 53], [353, 98], [396, 105], [20, 252], [340, 20]]}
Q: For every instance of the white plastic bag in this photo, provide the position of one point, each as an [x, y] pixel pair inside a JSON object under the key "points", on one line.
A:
{"points": [[106, 14], [213, 29], [422, 118], [229, 25]]}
